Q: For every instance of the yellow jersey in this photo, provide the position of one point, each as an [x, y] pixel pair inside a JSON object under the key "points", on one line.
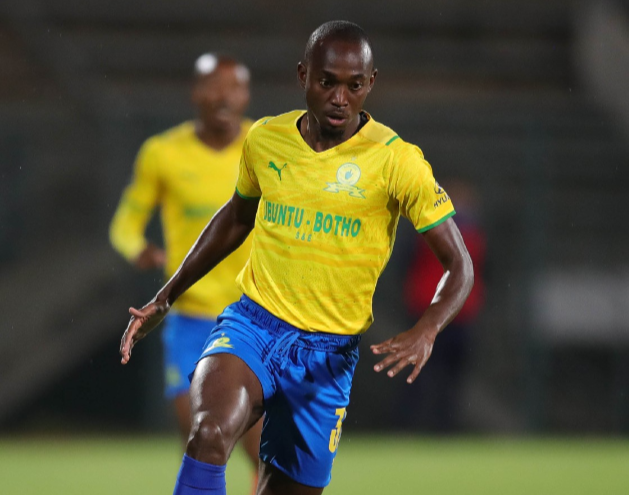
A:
{"points": [[326, 223], [190, 182]]}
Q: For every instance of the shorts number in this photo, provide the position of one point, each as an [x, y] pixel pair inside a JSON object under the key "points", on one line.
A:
{"points": [[335, 435]]}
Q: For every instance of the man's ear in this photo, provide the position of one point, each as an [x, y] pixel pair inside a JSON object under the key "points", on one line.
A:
{"points": [[302, 72], [372, 79]]}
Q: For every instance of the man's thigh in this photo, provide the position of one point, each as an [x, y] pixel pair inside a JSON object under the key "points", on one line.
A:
{"points": [[225, 393]]}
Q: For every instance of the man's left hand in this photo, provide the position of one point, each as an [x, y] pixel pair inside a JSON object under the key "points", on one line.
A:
{"points": [[410, 348]]}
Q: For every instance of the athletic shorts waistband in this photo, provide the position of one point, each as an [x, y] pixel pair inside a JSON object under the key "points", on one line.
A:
{"points": [[320, 341]]}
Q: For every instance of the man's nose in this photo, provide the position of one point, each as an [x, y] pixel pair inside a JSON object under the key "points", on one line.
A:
{"points": [[217, 95], [339, 97]]}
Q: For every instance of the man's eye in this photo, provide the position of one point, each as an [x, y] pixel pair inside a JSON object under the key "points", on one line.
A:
{"points": [[325, 83], [356, 86]]}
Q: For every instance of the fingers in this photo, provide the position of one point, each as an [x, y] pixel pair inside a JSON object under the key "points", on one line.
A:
{"points": [[402, 363], [382, 347], [415, 373], [386, 362], [128, 338], [401, 358], [126, 345], [142, 322], [138, 313], [125, 348], [386, 347]]}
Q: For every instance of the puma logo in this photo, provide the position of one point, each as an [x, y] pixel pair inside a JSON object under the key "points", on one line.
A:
{"points": [[278, 170]]}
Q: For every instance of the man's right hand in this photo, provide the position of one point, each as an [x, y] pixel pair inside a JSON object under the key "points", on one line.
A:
{"points": [[142, 322], [151, 257]]}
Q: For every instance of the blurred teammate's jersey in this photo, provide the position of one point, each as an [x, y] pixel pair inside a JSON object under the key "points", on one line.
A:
{"points": [[326, 222], [190, 181]]}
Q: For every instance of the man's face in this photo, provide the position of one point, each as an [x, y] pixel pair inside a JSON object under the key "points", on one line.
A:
{"points": [[337, 80], [222, 96]]}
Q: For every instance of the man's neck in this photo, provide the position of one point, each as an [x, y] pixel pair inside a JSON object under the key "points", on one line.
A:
{"points": [[217, 139], [319, 140]]}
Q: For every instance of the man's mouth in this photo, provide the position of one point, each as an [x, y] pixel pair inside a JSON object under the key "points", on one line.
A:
{"points": [[223, 111], [336, 119]]}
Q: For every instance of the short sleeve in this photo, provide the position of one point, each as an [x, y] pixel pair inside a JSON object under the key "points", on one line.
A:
{"points": [[247, 185], [422, 200]]}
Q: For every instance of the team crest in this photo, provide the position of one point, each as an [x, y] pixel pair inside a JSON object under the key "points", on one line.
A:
{"points": [[347, 176], [220, 342]]}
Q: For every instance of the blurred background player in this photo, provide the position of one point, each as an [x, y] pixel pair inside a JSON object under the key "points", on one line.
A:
{"points": [[190, 171], [433, 405]]}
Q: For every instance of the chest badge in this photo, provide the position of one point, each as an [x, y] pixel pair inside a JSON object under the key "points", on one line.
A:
{"points": [[347, 176]]}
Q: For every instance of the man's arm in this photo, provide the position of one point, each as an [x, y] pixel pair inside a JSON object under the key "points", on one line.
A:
{"points": [[226, 231], [414, 346], [127, 228]]}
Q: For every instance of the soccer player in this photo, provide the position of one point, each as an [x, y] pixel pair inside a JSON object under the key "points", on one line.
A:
{"points": [[322, 190], [190, 171]]}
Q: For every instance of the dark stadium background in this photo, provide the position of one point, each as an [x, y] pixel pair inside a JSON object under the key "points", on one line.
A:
{"points": [[524, 101]]}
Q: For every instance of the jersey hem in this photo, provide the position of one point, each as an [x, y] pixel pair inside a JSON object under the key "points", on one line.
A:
{"points": [[246, 197], [438, 222]]}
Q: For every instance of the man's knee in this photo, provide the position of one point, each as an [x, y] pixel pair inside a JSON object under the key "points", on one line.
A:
{"points": [[209, 441]]}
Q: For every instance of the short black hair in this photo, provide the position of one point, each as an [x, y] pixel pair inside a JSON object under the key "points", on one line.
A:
{"points": [[337, 30]]}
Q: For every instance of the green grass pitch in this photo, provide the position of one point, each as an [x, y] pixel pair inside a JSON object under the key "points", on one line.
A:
{"points": [[365, 465]]}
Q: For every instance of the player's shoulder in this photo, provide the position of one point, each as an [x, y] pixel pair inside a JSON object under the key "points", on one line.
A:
{"points": [[380, 135], [246, 124], [385, 137], [285, 122], [174, 136]]}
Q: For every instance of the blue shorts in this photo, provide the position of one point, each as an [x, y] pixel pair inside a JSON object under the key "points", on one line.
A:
{"points": [[183, 338], [306, 380]]}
